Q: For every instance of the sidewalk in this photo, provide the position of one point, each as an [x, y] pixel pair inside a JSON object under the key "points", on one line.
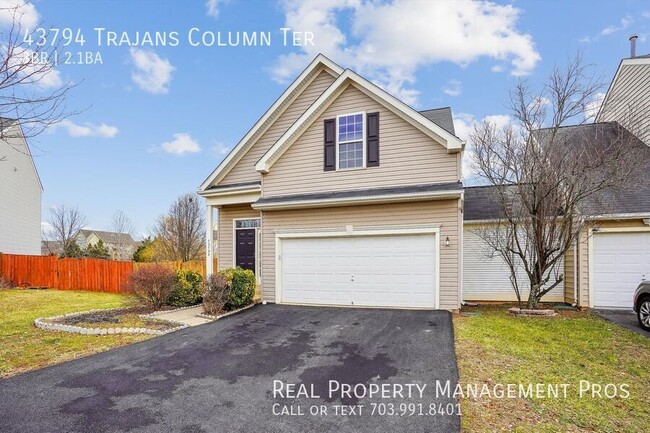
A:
{"points": [[189, 316]]}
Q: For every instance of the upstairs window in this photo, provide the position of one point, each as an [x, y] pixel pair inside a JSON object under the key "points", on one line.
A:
{"points": [[350, 141]]}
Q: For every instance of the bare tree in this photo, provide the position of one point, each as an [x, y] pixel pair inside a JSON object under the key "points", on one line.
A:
{"points": [[66, 221], [122, 225], [32, 94], [182, 230], [549, 178]]}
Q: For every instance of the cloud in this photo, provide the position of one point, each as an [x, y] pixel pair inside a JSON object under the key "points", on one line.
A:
{"points": [[220, 149], [152, 73], [592, 108], [453, 88], [88, 129], [464, 126], [24, 13], [46, 228], [646, 14], [212, 7], [390, 55], [181, 144], [624, 23]]}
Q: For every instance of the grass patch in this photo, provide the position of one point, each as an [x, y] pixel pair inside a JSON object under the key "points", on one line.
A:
{"points": [[24, 347], [494, 347]]}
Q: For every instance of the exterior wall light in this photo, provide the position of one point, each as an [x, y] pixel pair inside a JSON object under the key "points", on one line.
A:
{"points": [[447, 242]]}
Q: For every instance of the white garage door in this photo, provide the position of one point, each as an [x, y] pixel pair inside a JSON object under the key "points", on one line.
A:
{"points": [[621, 261], [487, 278], [372, 271]]}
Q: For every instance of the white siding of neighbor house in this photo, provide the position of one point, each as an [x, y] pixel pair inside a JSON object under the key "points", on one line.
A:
{"points": [[244, 170], [20, 198], [487, 277], [628, 100], [407, 155]]}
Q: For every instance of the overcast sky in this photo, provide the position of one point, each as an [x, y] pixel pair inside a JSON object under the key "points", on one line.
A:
{"points": [[160, 118]]}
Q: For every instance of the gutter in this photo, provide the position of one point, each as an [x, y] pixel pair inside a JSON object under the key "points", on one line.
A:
{"points": [[346, 201]]}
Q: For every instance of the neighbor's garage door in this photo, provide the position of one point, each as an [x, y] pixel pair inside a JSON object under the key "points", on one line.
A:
{"points": [[372, 271], [486, 276], [621, 261]]}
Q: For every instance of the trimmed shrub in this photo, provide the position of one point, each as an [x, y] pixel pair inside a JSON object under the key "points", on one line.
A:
{"points": [[153, 284], [187, 289], [216, 293], [243, 287]]}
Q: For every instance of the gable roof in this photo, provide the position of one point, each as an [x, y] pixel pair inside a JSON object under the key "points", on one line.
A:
{"points": [[108, 237], [441, 117], [439, 134], [319, 64], [6, 123]]}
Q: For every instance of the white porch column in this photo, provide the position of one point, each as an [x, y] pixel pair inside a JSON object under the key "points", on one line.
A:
{"points": [[209, 240]]}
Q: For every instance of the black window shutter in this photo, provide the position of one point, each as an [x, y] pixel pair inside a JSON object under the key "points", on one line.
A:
{"points": [[329, 159], [372, 139]]}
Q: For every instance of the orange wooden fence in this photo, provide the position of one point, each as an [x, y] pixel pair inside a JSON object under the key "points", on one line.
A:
{"points": [[94, 275]]}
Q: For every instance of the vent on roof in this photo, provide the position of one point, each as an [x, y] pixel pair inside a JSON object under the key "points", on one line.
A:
{"points": [[633, 39]]}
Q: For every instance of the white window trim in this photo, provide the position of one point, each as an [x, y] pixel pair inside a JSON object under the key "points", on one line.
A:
{"points": [[258, 256], [363, 141]]}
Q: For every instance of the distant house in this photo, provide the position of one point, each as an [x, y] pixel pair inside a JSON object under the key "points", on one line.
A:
{"points": [[20, 193], [121, 246]]}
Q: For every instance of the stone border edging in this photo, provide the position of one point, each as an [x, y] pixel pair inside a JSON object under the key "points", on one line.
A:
{"points": [[42, 323], [523, 312], [229, 313]]}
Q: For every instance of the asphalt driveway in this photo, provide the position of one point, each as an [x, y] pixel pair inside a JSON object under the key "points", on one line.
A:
{"points": [[625, 318], [360, 370]]}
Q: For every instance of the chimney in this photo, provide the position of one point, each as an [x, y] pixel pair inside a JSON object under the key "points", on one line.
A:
{"points": [[633, 39]]}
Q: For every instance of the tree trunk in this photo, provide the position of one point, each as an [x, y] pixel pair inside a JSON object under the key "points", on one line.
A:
{"points": [[533, 296]]}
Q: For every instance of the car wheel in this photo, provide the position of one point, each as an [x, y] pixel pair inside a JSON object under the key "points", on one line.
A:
{"points": [[643, 314]]}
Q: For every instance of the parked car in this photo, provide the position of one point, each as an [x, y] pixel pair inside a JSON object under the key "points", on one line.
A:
{"points": [[642, 304]]}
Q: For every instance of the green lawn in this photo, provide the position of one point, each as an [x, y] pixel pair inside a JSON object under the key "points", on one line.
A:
{"points": [[494, 347], [23, 347]]}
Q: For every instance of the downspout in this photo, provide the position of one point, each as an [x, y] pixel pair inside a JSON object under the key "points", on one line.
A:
{"points": [[575, 273]]}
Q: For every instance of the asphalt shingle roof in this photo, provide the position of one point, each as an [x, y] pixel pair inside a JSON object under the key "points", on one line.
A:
{"points": [[480, 204], [441, 117]]}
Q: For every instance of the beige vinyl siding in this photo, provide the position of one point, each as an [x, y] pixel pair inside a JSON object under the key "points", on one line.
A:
{"points": [[584, 253], [227, 214], [407, 156], [244, 170], [569, 279], [443, 212], [628, 101]]}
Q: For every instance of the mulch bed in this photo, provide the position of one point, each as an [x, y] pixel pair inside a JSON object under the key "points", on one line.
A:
{"points": [[127, 318]]}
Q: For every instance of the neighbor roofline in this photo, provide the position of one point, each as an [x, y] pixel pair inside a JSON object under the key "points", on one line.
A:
{"points": [[452, 143], [233, 156]]}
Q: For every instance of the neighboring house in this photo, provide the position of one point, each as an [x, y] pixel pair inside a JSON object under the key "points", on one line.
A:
{"points": [[51, 248], [20, 193], [343, 195], [121, 246], [603, 269], [627, 100], [612, 258]]}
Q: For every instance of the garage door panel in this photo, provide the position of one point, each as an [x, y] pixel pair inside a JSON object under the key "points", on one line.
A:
{"points": [[487, 277], [620, 262], [365, 270]]}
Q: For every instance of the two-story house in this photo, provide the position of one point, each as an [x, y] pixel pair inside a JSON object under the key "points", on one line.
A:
{"points": [[20, 193], [342, 195]]}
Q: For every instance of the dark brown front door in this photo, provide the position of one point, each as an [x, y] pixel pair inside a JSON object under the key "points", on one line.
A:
{"points": [[245, 252]]}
